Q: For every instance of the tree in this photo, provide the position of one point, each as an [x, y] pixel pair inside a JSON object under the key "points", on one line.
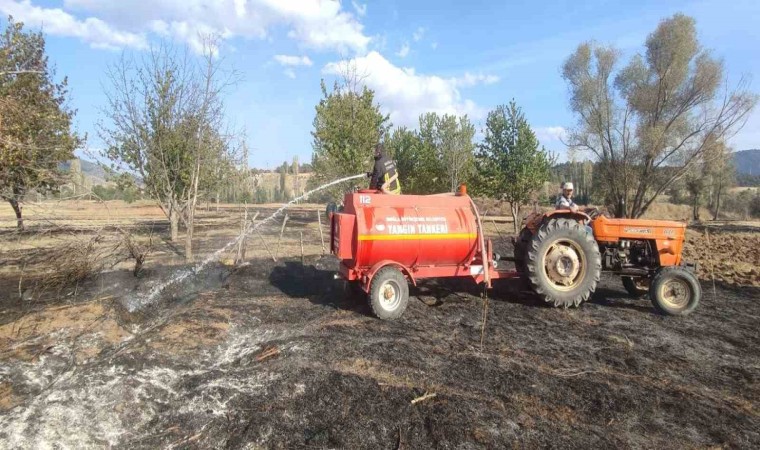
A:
{"points": [[437, 158], [35, 120], [722, 175], [77, 177], [416, 162], [283, 188], [710, 176], [294, 171], [695, 186], [262, 195], [663, 110], [166, 124], [510, 164], [458, 146], [347, 125], [450, 138]]}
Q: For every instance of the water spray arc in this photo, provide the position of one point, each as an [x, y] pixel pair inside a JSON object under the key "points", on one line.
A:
{"points": [[140, 301]]}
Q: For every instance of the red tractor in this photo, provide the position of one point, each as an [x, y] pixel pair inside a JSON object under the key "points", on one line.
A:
{"points": [[384, 242]]}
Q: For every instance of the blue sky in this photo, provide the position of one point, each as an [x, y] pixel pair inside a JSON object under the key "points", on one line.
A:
{"points": [[427, 55]]}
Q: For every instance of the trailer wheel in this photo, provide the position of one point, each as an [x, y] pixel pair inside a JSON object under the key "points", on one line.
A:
{"points": [[636, 286], [388, 293], [675, 291], [563, 263]]}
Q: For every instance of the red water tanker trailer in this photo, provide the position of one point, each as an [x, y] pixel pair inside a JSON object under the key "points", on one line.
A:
{"points": [[384, 242]]}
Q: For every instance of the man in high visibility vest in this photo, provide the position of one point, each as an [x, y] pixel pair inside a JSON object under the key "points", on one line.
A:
{"points": [[384, 176]]}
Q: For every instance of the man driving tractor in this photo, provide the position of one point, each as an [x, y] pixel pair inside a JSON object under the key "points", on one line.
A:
{"points": [[384, 176], [565, 203], [565, 200]]}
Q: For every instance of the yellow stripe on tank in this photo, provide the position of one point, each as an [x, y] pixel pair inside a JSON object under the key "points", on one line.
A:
{"points": [[412, 237]]}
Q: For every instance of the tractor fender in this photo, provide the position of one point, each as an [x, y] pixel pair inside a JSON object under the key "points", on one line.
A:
{"points": [[534, 221], [367, 278]]}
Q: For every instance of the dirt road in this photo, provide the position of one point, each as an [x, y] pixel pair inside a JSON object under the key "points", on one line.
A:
{"points": [[275, 356]]}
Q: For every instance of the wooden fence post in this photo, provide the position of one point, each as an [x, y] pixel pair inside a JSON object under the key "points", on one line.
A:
{"points": [[282, 230], [321, 235]]}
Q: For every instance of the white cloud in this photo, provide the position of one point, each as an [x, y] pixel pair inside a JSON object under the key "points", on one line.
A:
{"points": [[469, 79], [405, 94], [240, 8], [321, 24], [57, 22], [434, 45], [404, 51], [549, 135], [361, 9], [192, 33], [288, 60], [418, 34], [289, 73], [318, 24]]}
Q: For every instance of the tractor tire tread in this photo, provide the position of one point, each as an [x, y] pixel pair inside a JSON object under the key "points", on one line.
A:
{"points": [[546, 230], [521, 245], [671, 271]]}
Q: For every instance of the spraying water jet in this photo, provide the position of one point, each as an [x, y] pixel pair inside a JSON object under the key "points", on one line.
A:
{"points": [[134, 303]]}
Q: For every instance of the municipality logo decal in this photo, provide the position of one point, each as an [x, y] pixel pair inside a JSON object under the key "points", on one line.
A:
{"points": [[380, 227]]}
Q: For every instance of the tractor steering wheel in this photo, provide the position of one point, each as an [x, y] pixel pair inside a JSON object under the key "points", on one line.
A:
{"points": [[593, 213]]}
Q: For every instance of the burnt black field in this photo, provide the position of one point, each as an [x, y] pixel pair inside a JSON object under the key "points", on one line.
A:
{"points": [[279, 355]]}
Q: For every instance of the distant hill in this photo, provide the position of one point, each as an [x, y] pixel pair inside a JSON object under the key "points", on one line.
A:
{"points": [[94, 172], [747, 162]]}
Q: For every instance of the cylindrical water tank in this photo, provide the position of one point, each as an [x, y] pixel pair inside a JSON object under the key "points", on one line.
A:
{"points": [[413, 230]]}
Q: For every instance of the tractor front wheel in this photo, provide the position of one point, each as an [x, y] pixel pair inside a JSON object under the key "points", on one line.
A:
{"points": [[675, 291], [388, 293], [563, 262]]}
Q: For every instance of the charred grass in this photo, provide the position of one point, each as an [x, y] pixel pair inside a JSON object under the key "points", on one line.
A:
{"points": [[281, 355]]}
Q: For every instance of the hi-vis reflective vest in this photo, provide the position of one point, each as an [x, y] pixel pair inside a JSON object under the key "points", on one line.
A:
{"points": [[392, 185]]}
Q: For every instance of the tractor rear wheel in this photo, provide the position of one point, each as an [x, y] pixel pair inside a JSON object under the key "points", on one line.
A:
{"points": [[563, 262], [388, 293], [521, 249], [675, 291], [636, 286]]}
